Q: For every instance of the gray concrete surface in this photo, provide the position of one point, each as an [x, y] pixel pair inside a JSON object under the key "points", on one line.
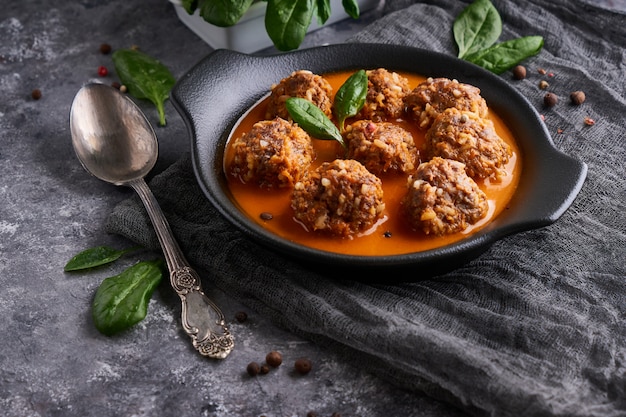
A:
{"points": [[53, 362]]}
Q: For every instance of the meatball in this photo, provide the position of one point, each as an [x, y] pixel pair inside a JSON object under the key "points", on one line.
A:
{"points": [[341, 198], [442, 199], [467, 138], [381, 147], [274, 154], [303, 84], [434, 95], [385, 95]]}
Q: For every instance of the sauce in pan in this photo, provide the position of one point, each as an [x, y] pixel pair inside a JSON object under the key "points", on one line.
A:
{"points": [[391, 235]]}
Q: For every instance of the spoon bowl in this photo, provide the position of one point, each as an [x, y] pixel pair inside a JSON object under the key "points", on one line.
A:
{"points": [[115, 142], [112, 138]]}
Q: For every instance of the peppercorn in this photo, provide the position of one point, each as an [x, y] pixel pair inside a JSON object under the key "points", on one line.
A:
{"points": [[550, 99], [311, 414], [102, 71], [241, 316], [36, 94], [519, 72], [303, 366], [274, 359], [577, 97], [115, 84], [266, 216], [105, 48], [264, 369], [253, 369], [387, 234]]}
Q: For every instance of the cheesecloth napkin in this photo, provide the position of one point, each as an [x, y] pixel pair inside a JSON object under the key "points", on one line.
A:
{"points": [[533, 327]]}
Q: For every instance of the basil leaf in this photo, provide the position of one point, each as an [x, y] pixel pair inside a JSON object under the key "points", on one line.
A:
{"points": [[323, 11], [504, 56], [286, 22], [351, 7], [145, 78], [310, 118], [477, 27], [350, 97], [190, 6], [122, 301], [93, 257], [223, 13]]}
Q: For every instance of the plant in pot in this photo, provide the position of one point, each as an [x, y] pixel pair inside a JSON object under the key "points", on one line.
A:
{"points": [[284, 22]]}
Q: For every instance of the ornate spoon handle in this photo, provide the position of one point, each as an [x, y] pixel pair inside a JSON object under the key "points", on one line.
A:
{"points": [[201, 319]]}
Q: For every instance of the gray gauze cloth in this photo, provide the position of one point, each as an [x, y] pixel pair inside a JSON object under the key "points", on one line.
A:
{"points": [[533, 327]]}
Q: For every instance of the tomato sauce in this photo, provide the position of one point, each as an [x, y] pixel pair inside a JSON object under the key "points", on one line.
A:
{"points": [[390, 236]]}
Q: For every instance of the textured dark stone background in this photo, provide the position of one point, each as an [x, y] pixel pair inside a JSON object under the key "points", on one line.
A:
{"points": [[52, 360]]}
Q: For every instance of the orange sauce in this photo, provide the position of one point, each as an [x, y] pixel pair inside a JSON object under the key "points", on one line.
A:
{"points": [[390, 236]]}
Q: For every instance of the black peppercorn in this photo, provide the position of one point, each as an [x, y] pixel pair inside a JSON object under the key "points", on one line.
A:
{"points": [[253, 369], [274, 359], [241, 316], [303, 366], [519, 72], [36, 94], [105, 48], [550, 99]]}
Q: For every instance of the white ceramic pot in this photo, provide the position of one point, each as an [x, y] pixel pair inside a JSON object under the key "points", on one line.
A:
{"points": [[249, 34]]}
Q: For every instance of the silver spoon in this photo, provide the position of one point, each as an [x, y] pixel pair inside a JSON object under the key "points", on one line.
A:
{"points": [[115, 142]]}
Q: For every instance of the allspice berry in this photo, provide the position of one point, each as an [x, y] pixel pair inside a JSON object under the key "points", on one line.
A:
{"points": [[303, 366], [241, 316], [519, 72], [550, 99], [105, 48], [274, 359], [253, 369], [577, 97]]}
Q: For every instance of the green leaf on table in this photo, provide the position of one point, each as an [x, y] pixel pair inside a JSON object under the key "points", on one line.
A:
{"points": [[351, 7], [145, 78], [94, 257], [313, 120], [350, 97], [287, 21], [323, 11], [477, 27], [189, 5], [122, 301], [223, 13], [504, 56], [476, 30]]}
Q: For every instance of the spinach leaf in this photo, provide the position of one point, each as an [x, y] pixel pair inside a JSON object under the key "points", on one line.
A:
{"points": [[323, 11], [122, 301], [223, 12], [351, 7], [313, 120], [93, 257], [504, 56], [350, 97], [189, 5], [477, 27], [286, 22], [145, 78]]}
